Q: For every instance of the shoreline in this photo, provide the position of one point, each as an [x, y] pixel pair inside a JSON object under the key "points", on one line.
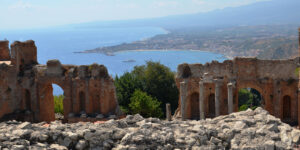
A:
{"points": [[163, 50], [145, 50]]}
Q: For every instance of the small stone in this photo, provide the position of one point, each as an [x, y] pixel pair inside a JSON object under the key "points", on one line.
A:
{"points": [[112, 117], [296, 136], [99, 116], [67, 141], [215, 140], [24, 125], [18, 147], [239, 125], [81, 145], [273, 127], [83, 115], [58, 147], [270, 145]]}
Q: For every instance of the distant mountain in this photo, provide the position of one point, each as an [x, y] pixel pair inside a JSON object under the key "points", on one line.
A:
{"points": [[260, 13]]}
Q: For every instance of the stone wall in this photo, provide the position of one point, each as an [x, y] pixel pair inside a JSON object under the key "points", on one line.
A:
{"points": [[217, 84], [4, 51], [27, 93]]}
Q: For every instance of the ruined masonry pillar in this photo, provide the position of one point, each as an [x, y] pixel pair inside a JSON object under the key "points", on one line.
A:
{"points": [[217, 97], [230, 98], [183, 99], [201, 100], [168, 111]]}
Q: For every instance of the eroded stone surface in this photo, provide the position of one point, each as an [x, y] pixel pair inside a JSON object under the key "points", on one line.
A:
{"points": [[232, 131]]}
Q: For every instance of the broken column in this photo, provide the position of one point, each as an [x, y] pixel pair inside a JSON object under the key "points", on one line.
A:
{"points": [[168, 111], [183, 99], [201, 99], [217, 97], [230, 98], [23, 54]]}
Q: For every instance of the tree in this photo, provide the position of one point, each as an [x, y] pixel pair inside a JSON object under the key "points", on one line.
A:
{"points": [[249, 99], [145, 105], [126, 85], [155, 79], [160, 83]]}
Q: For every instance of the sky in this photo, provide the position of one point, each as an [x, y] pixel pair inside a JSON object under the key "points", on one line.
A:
{"points": [[18, 14]]}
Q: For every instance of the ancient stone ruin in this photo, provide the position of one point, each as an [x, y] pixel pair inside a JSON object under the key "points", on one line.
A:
{"points": [[26, 87], [211, 90]]}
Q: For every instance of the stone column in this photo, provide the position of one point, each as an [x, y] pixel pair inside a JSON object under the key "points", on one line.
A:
{"points": [[168, 111], [217, 97], [183, 99], [201, 100], [230, 98]]}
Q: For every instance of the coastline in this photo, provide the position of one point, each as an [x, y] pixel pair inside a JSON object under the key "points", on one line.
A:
{"points": [[145, 50]]}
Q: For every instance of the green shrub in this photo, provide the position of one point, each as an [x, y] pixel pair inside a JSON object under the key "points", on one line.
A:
{"points": [[243, 107], [58, 104], [297, 71], [155, 79], [245, 97], [145, 105], [249, 99]]}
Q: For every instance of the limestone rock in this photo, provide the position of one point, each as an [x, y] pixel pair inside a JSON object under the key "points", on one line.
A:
{"points": [[234, 131]]}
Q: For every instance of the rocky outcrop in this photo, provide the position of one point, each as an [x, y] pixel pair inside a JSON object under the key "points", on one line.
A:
{"points": [[243, 130]]}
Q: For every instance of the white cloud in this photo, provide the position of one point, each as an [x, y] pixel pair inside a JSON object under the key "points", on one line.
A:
{"points": [[21, 5], [198, 2], [127, 6], [165, 4]]}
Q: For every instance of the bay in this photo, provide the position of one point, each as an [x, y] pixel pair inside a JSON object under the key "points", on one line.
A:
{"points": [[61, 43]]}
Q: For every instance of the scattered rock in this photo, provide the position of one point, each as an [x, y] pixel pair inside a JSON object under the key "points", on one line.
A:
{"points": [[242, 130]]}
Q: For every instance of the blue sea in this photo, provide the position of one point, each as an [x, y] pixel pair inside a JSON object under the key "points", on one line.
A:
{"points": [[61, 43]]}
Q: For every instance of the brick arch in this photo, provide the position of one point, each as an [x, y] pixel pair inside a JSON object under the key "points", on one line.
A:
{"points": [[46, 100], [255, 86]]}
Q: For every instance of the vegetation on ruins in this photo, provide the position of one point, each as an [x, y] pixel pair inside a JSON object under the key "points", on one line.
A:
{"points": [[58, 104], [145, 105], [297, 71], [249, 99], [155, 79]]}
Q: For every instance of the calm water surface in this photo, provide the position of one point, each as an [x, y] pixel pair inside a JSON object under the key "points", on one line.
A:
{"points": [[61, 43]]}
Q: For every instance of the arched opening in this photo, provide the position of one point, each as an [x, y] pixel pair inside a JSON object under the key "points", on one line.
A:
{"points": [[211, 106], [286, 109], [58, 98], [82, 102], [194, 102], [249, 98], [27, 100]]}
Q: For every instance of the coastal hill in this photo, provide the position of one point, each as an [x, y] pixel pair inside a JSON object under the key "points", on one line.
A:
{"points": [[267, 30], [269, 12], [265, 42]]}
